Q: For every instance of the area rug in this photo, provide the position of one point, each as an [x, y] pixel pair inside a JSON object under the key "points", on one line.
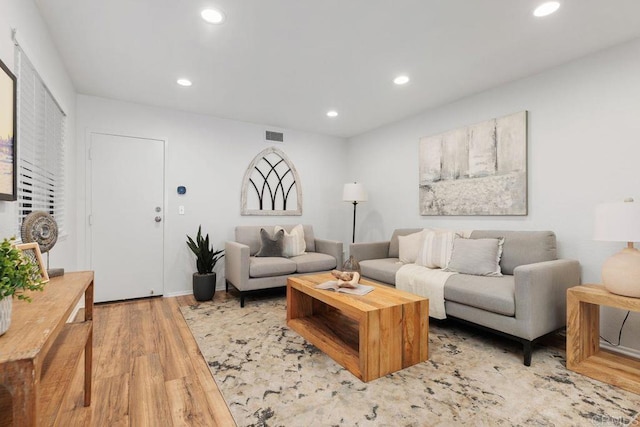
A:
{"points": [[270, 376]]}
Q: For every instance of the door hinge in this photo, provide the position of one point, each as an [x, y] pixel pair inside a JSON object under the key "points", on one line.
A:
{"points": [[90, 219], [89, 153]]}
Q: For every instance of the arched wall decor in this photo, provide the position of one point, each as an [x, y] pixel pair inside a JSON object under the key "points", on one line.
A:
{"points": [[271, 185]]}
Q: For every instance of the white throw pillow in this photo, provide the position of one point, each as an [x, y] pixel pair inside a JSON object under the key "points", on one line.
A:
{"points": [[436, 248], [480, 257], [294, 243], [409, 246]]}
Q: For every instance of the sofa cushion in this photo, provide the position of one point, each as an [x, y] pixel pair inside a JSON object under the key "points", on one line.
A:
{"points": [[435, 251], [271, 246], [383, 269], [494, 294], [409, 245], [522, 247], [294, 243], [480, 257], [250, 235], [394, 246], [313, 262], [270, 266]]}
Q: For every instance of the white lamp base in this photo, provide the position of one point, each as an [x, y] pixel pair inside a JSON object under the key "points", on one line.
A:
{"points": [[621, 273]]}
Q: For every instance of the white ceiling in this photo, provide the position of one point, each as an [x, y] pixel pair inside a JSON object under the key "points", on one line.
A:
{"points": [[285, 63]]}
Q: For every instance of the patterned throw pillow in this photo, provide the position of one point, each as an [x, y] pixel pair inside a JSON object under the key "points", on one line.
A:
{"points": [[271, 247], [480, 257], [409, 245], [436, 248], [294, 243]]}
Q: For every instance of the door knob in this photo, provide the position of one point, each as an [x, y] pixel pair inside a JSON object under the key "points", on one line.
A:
{"points": [[158, 219]]}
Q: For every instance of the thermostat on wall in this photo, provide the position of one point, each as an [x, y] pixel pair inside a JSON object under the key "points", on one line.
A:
{"points": [[182, 189]]}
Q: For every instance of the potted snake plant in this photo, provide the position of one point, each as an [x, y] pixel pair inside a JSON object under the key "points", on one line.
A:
{"points": [[204, 281], [17, 275]]}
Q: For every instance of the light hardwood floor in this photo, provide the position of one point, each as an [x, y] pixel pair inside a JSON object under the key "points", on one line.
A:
{"points": [[148, 370]]}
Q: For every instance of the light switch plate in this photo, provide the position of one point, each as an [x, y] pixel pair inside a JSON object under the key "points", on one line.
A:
{"points": [[180, 210]]}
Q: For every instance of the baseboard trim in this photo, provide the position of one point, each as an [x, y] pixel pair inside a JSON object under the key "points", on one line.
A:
{"points": [[177, 294], [187, 292], [627, 351]]}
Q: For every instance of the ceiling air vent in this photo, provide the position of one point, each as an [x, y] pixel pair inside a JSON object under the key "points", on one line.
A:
{"points": [[274, 136]]}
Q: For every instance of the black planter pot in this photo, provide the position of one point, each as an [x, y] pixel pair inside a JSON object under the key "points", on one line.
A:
{"points": [[204, 286]]}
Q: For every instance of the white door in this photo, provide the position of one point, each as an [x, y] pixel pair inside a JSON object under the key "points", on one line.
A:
{"points": [[126, 216]]}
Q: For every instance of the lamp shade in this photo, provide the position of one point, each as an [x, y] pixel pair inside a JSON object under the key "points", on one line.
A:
{"points": [[617, 222], [354, 192]]}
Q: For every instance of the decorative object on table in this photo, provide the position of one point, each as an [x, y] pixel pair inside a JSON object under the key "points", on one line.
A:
{"points": [[41, 227], [620, 222], [204, 281], [31, 252], [271, 186], [346, 279], [355, 193], [476, 170], [351, 264], [8, 162], [347, 283], [332, 285], [19, 272]]}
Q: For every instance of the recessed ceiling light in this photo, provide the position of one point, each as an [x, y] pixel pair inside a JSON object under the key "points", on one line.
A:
{"points": [[401, 80], [212, 16], [546, 8], [332, 113], [184, 82]]}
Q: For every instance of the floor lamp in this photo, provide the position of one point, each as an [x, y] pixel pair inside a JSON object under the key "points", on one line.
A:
{"points": [[354, 192]]}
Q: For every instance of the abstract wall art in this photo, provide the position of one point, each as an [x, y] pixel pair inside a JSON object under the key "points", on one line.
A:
{"points": [[271, 186], [7, 134], [476, 170]]}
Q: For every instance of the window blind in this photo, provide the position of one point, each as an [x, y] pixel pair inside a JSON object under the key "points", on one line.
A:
{"points": [[40, 146]]}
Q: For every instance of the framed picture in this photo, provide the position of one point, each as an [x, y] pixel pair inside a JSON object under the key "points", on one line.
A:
{"points": [[32, 251], [479, 169], [8, 162]]}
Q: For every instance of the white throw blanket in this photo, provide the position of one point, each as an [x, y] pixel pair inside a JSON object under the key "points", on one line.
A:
{"points": [[426, 282]]}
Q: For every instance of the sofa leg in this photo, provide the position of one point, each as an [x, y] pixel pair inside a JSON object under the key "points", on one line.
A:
{"points": [[527, 347], [226, 286], [241, 299]]}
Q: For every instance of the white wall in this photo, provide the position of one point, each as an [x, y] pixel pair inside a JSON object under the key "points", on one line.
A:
{"points": [[583, 149], [33, 36], [209, 156]]}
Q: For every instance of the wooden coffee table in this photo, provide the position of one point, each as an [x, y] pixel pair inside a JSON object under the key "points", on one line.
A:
{"points": [[370, 335]]}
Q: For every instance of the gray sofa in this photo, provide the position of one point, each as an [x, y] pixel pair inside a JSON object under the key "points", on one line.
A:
{"points": [[248, 273], [524, 304]]}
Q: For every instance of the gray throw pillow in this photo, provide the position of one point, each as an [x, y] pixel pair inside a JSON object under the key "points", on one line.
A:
{"points": [[271, 247], [480, 257]]}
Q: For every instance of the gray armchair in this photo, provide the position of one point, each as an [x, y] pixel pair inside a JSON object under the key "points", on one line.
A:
{"points": [[248, 273]]}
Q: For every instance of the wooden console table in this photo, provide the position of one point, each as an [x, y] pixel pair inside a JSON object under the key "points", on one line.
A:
{"points": [[583, 338], [40, 351]]}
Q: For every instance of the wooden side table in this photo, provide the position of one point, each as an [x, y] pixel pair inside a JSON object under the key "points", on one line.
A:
{"points": [[583, 338]]}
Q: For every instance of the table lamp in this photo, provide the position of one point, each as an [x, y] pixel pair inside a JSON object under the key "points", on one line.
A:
{"points": [[354, 193], [620, 222]]}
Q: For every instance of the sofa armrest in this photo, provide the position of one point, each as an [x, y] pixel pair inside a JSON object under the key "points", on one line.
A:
{"points": [[372, 250], [330, 247], [236, 264], [540, 294]]}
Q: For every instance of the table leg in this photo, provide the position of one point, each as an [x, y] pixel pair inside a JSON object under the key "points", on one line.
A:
{"points": [[88, 348], [583, 330]]}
